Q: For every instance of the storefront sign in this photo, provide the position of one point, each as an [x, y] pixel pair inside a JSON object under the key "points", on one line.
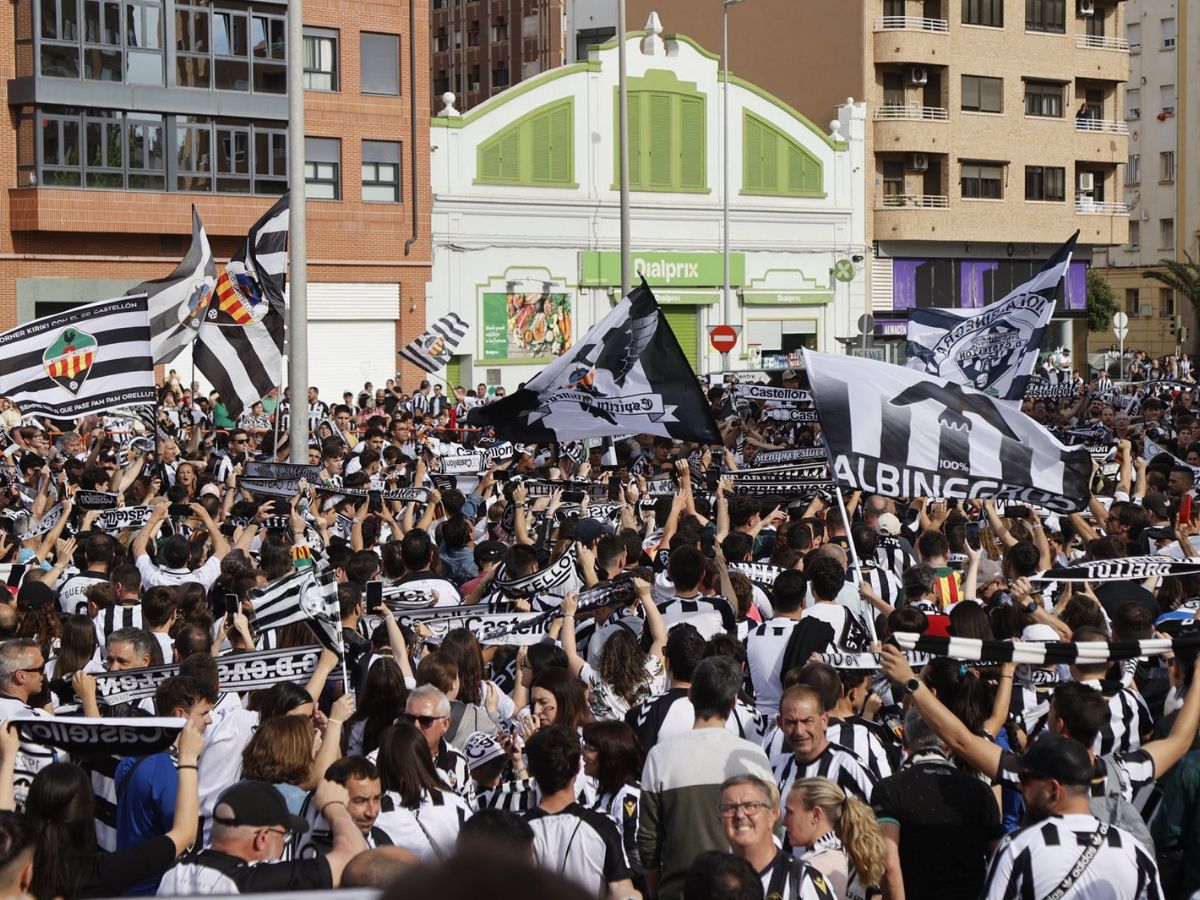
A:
{"points": [[602, 268], [526, 327], [786, 298]]}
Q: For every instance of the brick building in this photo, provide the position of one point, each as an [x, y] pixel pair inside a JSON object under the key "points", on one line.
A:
{"points": [[125, 113]]}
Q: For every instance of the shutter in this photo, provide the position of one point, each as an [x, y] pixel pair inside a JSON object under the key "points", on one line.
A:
{"points": [[635, 142], [562, 145], [691, 154], [752, 162], [489, 162], [333, 370], [660, 140], [683, 322], [510, 156], [540, 136], [770, 161], [804, 172], [453, 373]]}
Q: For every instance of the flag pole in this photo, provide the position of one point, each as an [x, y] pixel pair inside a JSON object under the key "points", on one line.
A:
{"points": [[850, 540], [297, 324]]}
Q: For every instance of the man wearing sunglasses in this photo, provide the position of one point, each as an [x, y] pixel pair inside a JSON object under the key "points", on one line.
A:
{"points": [[429, 709], [251, 830], [22, 676]]}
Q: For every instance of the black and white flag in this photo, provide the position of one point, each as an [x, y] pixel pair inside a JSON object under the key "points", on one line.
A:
{"points": [[788, 480], [113, 520], [768, 394], [558, 579], [626, 375], [82, 736], [901, 433], [88, 359], [777, 457], [1126, 568], [179, 302], [993, 349], [305, 596], [1038, 653], [432, 350], [239, 347], [761, 574]]}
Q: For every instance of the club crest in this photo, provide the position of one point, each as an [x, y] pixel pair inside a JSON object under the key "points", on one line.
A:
{"points": [[69, 360], [240, 301], [191, 313]]}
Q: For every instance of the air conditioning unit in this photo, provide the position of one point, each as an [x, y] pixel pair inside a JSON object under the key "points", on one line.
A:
{"points": [[1087, 7], [918, 75], [918, 162], [1087, 182]]}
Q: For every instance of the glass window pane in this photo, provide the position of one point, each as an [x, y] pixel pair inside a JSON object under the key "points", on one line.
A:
{"points": [[60, 62], [380, 63], [102, 65], [144, 68], [220, 33], [232, 74]]}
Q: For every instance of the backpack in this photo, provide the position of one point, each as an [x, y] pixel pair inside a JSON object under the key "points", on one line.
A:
{"points": [[1114, 809]]}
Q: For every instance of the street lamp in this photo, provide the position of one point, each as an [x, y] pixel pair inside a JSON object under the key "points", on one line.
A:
{"points": [[725, 294]]}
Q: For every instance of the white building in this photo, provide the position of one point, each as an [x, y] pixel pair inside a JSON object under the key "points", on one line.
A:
{"points": [[526, 223]]}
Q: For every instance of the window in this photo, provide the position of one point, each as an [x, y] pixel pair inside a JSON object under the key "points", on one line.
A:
{"points": [[270, 160], [1166, 166], [1046, 15], [1166, 96], [1133, 168], [233, 159], [1133, 103], [60, 38], [102, 56], [1135, 234], [538, 149], [192, 53], [1045, 183], [144, 152], [893, 178], [1168, 34], [322, 164], [380, 59], [1132, 302], [982, 181], [1044, 98], [983, 12], [500, 76], [143, 43], [981, 94], [320, 59], [775, 164], [268, 38], [193, 154], [380, 172], [893, 89], [103, 149], [1133, 34], [1166, 234], [61, 150], [102, 40], [666, 141], [230, 49], [1166, 302]]}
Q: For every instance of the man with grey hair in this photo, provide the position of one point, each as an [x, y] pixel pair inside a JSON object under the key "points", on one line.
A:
{"points": [[132, 648], [429, 710], [943, 822], [22, 676]]}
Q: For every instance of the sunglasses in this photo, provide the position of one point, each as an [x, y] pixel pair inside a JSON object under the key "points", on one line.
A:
{"points": [[420, 721]]}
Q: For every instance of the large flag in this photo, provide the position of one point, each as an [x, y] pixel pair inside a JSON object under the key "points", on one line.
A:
{"points": [[308, 596], [239, 347], [900, 433], [993, 349], [432, 350], [179, 301], [85, 360], [627, 375]]}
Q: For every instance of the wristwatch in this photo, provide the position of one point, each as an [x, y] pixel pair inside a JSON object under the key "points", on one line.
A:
{"points": [[912, 684]]}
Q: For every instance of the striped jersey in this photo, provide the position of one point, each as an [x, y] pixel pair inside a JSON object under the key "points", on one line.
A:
{"points": [[517, 796], [1120, 869], [765, 646], [430, 830], [31, 758], [836, 763], [671, 713], [708, 615], [123, 615], [581, 845], [786, 876], [1129, 718], [869, 743]]}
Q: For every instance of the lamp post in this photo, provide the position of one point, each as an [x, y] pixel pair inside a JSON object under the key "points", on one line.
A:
{"points": [[297, 325], [726, 302], [623, 146]]}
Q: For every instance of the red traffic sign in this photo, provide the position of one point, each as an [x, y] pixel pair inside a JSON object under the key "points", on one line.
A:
{"points": [[723, 337]]}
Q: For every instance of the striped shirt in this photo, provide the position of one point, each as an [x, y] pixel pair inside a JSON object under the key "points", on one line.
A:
{"points": [[836, 763], [581, 845], [765, 646], [123, 615], [780, 875], [1129, 718], [867, 741], [31, 758], [1120, 870], [518, 796], [708, 615], [884, 583], [671, 714], [430, 830]]}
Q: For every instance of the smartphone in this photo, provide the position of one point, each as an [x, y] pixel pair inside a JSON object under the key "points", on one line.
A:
{"points": [[15, 574], [374, 595], [1185, 509], [374, 502], [972, 531], [280, 508], [179, 510], [1017, 512], [573, 496], [231, 608]]}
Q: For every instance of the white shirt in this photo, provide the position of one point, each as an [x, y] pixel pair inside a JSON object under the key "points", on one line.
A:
{"points": [[156, 576], [431, 830]]}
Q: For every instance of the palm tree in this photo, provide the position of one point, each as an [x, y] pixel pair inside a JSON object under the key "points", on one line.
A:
{"points": [[1181, 277]]}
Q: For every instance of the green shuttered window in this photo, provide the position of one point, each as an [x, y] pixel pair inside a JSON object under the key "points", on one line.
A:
{"points": [[773, 163], [537, 150], [667, 140]]}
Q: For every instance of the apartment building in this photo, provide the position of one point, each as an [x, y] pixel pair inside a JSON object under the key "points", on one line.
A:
{"points": [[997, 131], [1162, 174], [123, 114]]}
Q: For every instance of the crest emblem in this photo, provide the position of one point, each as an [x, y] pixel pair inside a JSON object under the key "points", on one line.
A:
{"points": [[192, 312], [240, 301], [69, 359]]}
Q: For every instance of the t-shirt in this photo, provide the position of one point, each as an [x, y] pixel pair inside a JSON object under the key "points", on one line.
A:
{"points": [[946, 819], [765, 646], [431, 829], [214, 872], [146, 788], [579, 844], [447, 593], [708, 615], [779, 877], [71, 596], [671, 713], [155, 576], [31, 758], [836, 763], [606, 704]]}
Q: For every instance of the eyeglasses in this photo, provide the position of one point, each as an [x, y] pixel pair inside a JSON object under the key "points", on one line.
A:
{"points": [[237, 441], [283, 833], [749, 808], [420, 721], [41, 670]]}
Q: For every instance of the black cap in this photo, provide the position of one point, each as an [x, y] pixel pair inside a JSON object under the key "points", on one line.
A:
{"points": [[589, 529], [1063, 759], [258, 803], [490, 551], [35, 594]]}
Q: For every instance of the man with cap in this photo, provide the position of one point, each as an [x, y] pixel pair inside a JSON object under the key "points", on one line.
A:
{"points": [[487, 760], [251, 829], [1075, 852]]}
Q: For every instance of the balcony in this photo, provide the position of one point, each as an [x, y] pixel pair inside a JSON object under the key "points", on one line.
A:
{"points": [[912, 112], [912, 201], [911, 39], [1096, 140], [1101, 57], [912, 129], [1085, 206], [1101, 125]]}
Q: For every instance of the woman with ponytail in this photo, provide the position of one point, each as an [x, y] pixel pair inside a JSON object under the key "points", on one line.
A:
{"points": [[837, 834]]}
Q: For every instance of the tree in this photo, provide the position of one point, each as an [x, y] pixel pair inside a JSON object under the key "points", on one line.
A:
{"points": [[1101, 302], [1182, 277]]}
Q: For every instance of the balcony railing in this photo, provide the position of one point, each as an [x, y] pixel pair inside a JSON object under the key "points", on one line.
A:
{"points": [[1088, 207], [1101, 42], [914, 201], [1109, 125], [912, 112], [910, 23]]}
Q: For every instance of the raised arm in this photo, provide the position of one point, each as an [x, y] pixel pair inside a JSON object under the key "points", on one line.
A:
{"points": [[316, 681], [1169, 750], [330, 800], [187, 796], [570, 605]]}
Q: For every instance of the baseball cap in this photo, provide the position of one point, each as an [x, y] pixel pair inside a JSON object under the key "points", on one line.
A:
{"points": [[989, 571], [212, 490], [480, 749], [490, 551], [789, 373], [1057, 757], [889, 525], [258, 803], [589, 529], [1039, 632]]}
